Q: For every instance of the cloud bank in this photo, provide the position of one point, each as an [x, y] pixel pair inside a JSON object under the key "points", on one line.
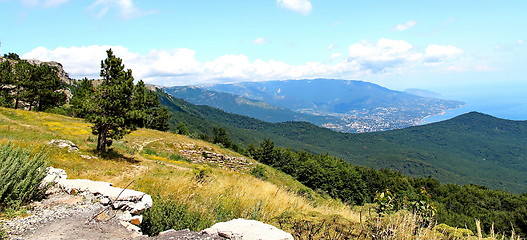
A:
{"points": [[181, 66]]}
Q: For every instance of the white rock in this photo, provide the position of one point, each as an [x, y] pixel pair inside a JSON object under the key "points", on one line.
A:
{"points": [[126, 216], [130, 227], [167, 232], [54, 175], [64, 144], [248, 230], [128, 199], [105, 201]]}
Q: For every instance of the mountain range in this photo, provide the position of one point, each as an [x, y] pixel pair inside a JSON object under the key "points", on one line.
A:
{"points": [[472, 148], [342, 105]]}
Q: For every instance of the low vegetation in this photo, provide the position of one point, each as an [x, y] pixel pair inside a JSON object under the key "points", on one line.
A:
{"points": [[208, 192], [21, 174], [458, 151]]}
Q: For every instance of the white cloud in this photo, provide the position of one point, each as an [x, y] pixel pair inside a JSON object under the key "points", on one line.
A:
{"points": [[125, 8], [301, 6], [335, 56], [385, 54], [389, 55], [182, 67], [520, 42], [436, 54], [405, 26], [260, 41]]}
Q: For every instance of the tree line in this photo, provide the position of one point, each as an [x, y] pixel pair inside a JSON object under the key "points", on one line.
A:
{"points": [[115, 105], [451, 204], [29, 86]]}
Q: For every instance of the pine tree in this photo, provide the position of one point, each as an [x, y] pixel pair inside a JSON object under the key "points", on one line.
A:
{"points": [[6, 84], [110, 105], [82, 91], [12, 56], [21, 77], [147, 111], [44, 89]]}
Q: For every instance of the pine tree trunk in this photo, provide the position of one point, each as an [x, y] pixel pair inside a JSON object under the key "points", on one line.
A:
{"points": [[101, 140]]}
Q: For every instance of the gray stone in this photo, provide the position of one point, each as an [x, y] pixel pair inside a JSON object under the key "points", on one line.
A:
{"points": [[105, 201], [125, 199], [125, 216], [248, 230], [61, 143]]}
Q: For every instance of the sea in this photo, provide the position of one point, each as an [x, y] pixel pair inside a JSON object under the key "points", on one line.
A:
{"points": [[502, 102]]}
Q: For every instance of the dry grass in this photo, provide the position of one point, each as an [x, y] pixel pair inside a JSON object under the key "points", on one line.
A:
{"points": [[147, 158], [239, 194]]}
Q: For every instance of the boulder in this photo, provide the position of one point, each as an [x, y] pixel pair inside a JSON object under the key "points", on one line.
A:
{"points": [[242, 229], [54, 175], [134, 201], [64, 144]]}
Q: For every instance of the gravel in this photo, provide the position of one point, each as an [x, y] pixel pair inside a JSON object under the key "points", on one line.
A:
{"points": [[64, 216]]}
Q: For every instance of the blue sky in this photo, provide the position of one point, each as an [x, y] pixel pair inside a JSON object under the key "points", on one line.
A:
{"points": [[456, 48]]}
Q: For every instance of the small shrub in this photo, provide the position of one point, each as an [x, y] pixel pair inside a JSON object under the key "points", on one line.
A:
{"points": [[259, 172], [452, 232], [169, 214], [149, 151], [20, 176], [175, 157], [62, 110], [202, 173], [316, 226]]}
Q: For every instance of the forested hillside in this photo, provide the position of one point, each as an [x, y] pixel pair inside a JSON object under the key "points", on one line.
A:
{"points": [[245, 106], [472, 148]]}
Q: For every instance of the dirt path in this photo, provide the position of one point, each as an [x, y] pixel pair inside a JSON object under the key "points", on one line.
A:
{"points": [[63, 216]]}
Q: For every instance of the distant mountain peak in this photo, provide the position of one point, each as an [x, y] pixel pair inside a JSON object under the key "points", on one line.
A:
{"points": [[344, 105]]}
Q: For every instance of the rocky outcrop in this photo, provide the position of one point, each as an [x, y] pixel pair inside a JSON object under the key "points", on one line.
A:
{"points": [[63, 75], [127, 200], [80, 209], [242, 229], [207, 155]]}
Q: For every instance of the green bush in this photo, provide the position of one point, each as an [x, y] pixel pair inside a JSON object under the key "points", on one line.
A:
{"points": [[169, 214], [21, 174], [452, 232], [259, 172]]}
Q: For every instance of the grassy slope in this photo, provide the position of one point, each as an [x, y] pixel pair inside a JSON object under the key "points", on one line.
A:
{"points": [[150, 159], [473, 148]]}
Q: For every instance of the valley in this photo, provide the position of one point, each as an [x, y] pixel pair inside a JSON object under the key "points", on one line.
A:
{"points": [[472, 148], [340, 105]]}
